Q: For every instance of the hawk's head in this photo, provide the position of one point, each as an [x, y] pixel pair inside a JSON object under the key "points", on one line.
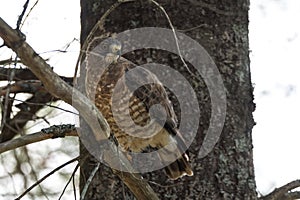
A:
{"points": [[111, 49]]}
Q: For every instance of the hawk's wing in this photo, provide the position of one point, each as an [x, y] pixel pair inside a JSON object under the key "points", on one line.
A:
{"points": [[150, 91]]}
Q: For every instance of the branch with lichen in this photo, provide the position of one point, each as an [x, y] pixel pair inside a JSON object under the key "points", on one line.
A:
{"points": [[48, 133]]}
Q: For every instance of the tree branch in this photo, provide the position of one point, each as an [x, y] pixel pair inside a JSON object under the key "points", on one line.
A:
{"points": [[7, 62], [60, 89], [283, 192], [24, 74], [65, 130], [292, 196], [31, 86]]}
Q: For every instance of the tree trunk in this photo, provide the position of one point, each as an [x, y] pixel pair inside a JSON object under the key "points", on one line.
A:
{"points": [[221, 27]]}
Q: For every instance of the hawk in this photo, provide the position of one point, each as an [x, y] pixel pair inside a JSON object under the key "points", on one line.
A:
{"points": [[116, 92]]}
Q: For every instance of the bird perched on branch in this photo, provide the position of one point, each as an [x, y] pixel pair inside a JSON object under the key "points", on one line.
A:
{"points": [[126, 95]]}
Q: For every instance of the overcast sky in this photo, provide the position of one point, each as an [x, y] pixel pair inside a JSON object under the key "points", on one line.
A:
{"points": [[274, 44], [275, 66]]}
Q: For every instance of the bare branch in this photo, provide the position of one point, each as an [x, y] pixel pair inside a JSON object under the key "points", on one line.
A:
{"points": [[8, 61], [20, 74], [31, 86], [292, 196], [22, 14], [36, 137], [23, 74], [7, 107], [283, 191], [31, 9], [74, 185]]}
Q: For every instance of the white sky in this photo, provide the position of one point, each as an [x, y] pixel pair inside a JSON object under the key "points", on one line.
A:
{"points": [[274, 42], [275, 45], [50, 26]]}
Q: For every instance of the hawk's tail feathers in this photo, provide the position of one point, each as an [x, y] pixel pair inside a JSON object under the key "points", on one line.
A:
{"points": [[179, 168]]}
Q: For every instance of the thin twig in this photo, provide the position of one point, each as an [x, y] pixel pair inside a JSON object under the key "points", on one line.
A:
{"points": [[88, 182], [174, 33], [71, 177], [63, 49], [46, 176], [31, 9], [6, 99], [74, 188], [47, 105], [22, 15]]}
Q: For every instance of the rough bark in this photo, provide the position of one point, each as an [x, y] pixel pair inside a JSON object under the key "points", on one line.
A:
{"points": [[221, 27]]}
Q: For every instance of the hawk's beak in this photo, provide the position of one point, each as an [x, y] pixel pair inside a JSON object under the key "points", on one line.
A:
{"points": [[119, 54]]}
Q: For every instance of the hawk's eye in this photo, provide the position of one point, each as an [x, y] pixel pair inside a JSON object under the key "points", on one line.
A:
{"points": [[115, 49]]}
